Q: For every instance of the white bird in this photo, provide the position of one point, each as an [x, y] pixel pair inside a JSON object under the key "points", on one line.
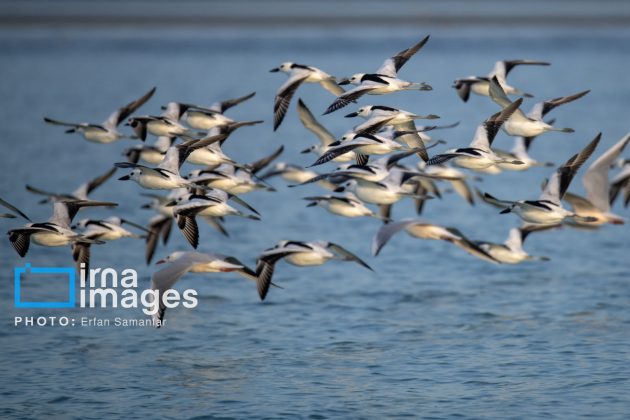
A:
{"points": [[105, 132], [363, 145], [13, 209], [424, 230], [384, 81], [301, 254], [530, 125], [374, 171], [520, 152], [109, 229], [325, 137], [235, 180], [548, 210], [187, 207], [346, 206], [455, 177], [390, 116], [166, 175], [481, 85], [479, 155], [57, 231], [295, 174], [179, 263], [80, 193], [298, 74], [383, 193], [150, 153], [597, 185], [511, 251], [166, 124], [205, 118]]}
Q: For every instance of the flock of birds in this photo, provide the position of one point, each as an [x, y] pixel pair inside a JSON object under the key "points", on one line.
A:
{"points": [[369, 170]]}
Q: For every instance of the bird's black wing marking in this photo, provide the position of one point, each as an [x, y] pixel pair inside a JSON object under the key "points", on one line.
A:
{"points": [[440, 159], [402, 57], [189, 228], [347, 98], [282, 101], [131, 107], [98, 181], [20, 242]]}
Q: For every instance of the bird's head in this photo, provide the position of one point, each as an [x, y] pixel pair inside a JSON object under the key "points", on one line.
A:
{"points": [[174, 256], [284, 67]]}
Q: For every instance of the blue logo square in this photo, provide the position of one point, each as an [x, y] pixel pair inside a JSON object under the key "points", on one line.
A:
{"points": [[69, 271]]}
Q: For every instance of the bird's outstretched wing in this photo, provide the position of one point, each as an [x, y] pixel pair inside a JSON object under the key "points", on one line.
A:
{"points": [[348, 97], [559, 183], [392, 65], [122, 113], [284, 96]]}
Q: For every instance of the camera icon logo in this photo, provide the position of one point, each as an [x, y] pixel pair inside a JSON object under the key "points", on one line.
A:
{"points": [[68, 272]]}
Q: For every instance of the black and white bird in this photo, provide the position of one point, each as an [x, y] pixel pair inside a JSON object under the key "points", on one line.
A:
{"points": [[205, 118], [455, 177], [385, 80], [236, 180], [14, 209], [480, 85], [179, 263], [325, 137], [300, 254], [380, 117], [57, 231], [547, 209], [520, 152], [298, 74], [424, 230], [167, 124], [596, 204], [214, 205], [363, 145], [80, 193], [347, 205], [106, 132], [166, 175], [295, 174], [479, 155], [511, 251], [532, 124], [106, 230]]}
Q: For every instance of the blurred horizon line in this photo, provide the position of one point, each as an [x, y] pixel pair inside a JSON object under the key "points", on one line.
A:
{"points": [[283, 13]]}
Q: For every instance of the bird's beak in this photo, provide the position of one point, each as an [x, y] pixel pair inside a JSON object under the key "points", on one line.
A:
{"points": [[145, 206], [311, 204], [160, 262], [339, 189], [343, 82], [274, 70], [306, 151], [71, 130], [352, 115], [124, 178], [163, 108], [170, 204], [506, 211]]}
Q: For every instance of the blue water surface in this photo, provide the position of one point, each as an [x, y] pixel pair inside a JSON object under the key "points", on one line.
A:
{"points": [[432, 332]]}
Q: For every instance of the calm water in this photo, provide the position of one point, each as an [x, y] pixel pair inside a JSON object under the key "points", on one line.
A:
{"points": [[432, 332]]}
